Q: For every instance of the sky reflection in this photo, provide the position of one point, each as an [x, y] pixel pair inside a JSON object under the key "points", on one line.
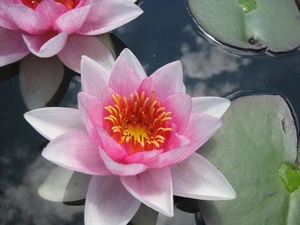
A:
{"points": [[21, 203], [22, 167]]}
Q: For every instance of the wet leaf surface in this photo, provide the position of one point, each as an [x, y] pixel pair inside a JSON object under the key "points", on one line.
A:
{"points": [[271, 25], [258, 135]]}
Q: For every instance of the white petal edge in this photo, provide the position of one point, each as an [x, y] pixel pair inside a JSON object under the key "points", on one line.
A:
{"points": [[119, 168], [152, 187], [195, 177], [92, 47], [49, 48], [55, 121], [75, 150], [168, 79], [134, 63], [94, 77], [214, 106], [108, 202]]}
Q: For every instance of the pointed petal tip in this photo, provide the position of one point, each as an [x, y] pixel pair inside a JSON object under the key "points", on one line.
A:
{"points": [[214, 106], [197, 178], [28, 117], [226, 103], [228, 194], [231, 193], [177, 62], [170, 213], [127, 51], [40, 192]]}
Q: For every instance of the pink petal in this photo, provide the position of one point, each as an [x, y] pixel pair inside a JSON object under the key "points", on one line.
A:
{"points": [[5, 21], [107, 15], [9, 1], [91, 108], [12, 46], [168, 80], [47, 44], [121, 169], [129, 57], [74, 150], [51, 10], [108, 202], [195, 177], [112, 148], [92, 47], [39, 80], [214, 106], [153, 188], [107, 96], [66, 21], [123, 79], [94, 77], [171, 156], [199, 129], [26, 19], [82, 3], [180, 106], [53, 122], [147, 86], [142, 157]]}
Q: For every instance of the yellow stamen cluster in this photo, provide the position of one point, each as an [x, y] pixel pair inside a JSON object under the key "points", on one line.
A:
{"points": [[139, 121]]}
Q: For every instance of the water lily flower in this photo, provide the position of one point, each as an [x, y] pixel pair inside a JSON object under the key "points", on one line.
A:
{"points": [[137, 136], [65, 28]]}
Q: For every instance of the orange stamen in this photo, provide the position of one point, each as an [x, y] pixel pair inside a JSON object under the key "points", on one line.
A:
{"points": [[69, 4], [139, 122], [31, 3]]}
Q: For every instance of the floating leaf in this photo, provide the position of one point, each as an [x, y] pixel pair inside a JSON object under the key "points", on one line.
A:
{"points": [[64, 185], [258, 135], [39, 79], [250, 24]]}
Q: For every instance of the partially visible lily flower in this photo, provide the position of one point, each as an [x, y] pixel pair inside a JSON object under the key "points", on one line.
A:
{"points": [[59, 27], [137, 136]]}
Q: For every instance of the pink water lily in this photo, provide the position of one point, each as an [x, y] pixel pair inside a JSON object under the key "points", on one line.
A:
{"points": [[137, 136], [59, 27]]}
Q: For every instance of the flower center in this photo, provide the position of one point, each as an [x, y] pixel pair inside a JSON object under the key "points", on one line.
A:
{"points": [[139, 123], [31, 3], [69, 4]]}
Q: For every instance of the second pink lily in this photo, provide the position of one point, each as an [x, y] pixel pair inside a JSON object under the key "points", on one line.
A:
{"points": [[59, 27]]}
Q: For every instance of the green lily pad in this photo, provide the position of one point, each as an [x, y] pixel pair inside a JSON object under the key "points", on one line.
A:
{"points": [[250, 24], [257, 138]]}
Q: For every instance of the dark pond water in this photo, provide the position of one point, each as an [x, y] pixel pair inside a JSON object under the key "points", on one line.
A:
{"points": [[164, 33]]}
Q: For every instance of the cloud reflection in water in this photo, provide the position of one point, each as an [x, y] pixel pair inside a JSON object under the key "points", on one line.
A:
{"points": [[204, 62], [21, 203]]}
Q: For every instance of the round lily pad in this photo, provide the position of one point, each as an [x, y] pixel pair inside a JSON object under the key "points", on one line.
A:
{"points": [[256, 150], [272, 25]]}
